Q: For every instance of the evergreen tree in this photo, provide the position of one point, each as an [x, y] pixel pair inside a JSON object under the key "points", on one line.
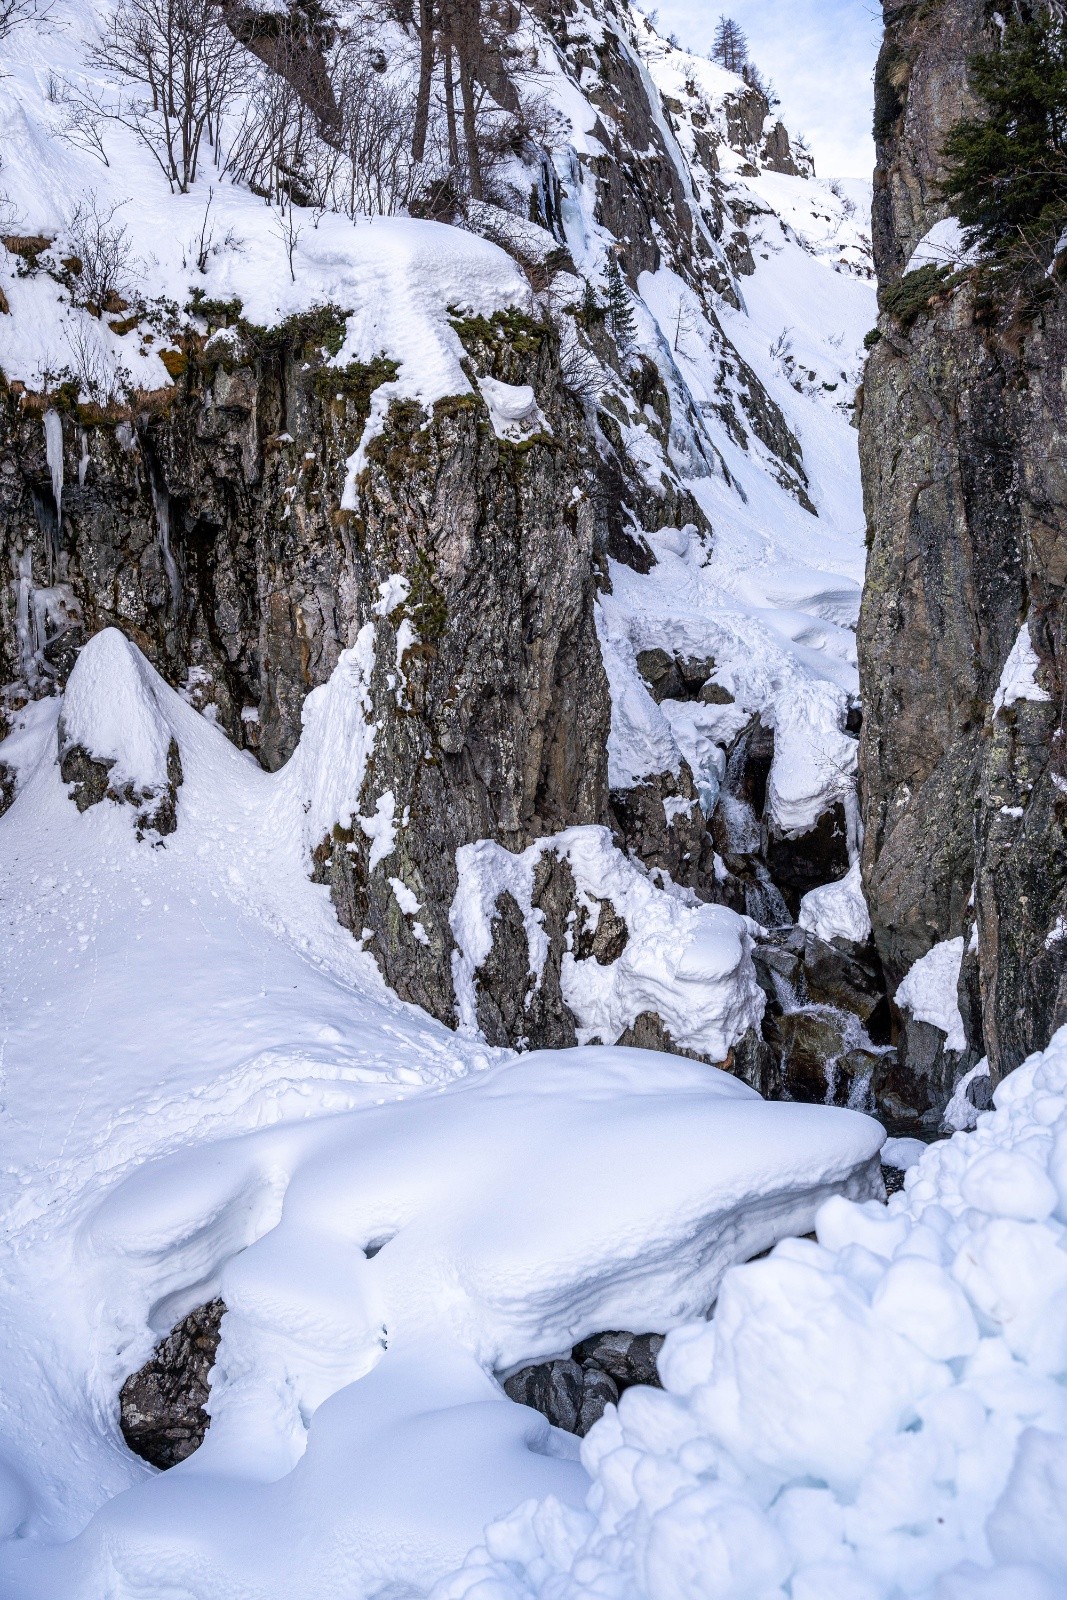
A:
{"points": [[1007, 168], [730, 48], [619, 309]]}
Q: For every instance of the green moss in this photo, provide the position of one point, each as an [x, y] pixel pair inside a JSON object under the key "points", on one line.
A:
{"points": [[356, 382], [915, 293], [426, 603], [513, 327], [872, 338]]}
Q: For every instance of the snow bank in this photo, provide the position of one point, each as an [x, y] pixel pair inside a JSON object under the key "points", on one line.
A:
{"points": [[379, 1266], [881, 1413], [111, 709], [838, 910], [929, 991], [690, 963]]}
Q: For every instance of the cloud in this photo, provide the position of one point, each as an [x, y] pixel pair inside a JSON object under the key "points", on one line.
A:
{"points": [[820, 55]]}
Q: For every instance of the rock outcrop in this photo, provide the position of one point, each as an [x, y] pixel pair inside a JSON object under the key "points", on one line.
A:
{"points": [[962, 444]]}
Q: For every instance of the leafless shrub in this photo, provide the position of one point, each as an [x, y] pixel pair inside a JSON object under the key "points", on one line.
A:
{"points": [[87, 115], [288, 230], [208, 242], [98, 377], [15, 13], [181, 67], [101, 248]]}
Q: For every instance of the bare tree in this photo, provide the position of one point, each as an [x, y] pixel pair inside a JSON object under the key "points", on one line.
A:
{"points": [[183, 67], [730, 47], [102, 252]]}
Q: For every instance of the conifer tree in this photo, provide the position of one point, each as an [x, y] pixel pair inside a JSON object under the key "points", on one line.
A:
{"points": [[1007, 167], [730, 48], [619, 309]]}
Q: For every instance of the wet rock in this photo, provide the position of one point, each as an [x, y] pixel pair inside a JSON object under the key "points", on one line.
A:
{"points": [[676, 678], [574, 1392], [161, 1407], [628, 1358], [810, 859]]}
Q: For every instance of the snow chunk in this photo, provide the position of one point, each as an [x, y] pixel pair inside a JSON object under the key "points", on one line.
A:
{"points": [[879, 1413], [837, 910], [111, 709], [1018, 681], [327, 768], [929, 991], [380, 828], [513, 409]]}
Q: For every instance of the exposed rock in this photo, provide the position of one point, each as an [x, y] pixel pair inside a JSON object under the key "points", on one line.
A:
{"points": [[161, 1407], [573, 1393], [8, 780], [963, 447], [807, 860], [157, 810]]}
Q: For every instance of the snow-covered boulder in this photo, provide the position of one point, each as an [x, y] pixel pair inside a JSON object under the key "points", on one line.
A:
{"points": [[114, 740]]}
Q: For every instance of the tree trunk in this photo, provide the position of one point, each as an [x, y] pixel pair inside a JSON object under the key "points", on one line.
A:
{"points": [[422, 99], [450, 107], [470, 130]]}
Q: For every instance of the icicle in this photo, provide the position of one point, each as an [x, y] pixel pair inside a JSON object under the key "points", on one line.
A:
{"points": [[83, 459], [53, 449], [161, 503], [26, 617]]}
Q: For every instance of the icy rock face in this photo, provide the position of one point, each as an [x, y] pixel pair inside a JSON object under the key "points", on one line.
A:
{"points": [[962, 448]]}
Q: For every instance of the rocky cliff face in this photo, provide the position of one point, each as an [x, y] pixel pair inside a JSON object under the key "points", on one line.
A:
{"points": [[962, 447], [278, 505]]}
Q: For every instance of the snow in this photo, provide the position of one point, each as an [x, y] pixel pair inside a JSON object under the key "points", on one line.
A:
{"points": [[902, 1153], [961, 1114], [876, 1414], [688, 962], [929, 991], [942, 246], [837, 910], [111, 709], [1018, 680], [208, 1089]]}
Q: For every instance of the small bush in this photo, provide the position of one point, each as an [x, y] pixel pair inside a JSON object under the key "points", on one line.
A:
{"points": [[916, 292]]}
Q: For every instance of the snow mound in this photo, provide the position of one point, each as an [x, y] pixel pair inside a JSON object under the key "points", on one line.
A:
{"points": [[838, 910], [379, 1267], [879, 1413], [929, 991], [688, 962], [111, 710]]}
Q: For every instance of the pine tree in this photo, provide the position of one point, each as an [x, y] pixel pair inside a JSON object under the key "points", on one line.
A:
{"points": [[620, 310], [730, 48], [1007, 168]]}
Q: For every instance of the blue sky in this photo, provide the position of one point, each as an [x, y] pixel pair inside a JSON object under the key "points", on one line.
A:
{"points": [[820, 55]]}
